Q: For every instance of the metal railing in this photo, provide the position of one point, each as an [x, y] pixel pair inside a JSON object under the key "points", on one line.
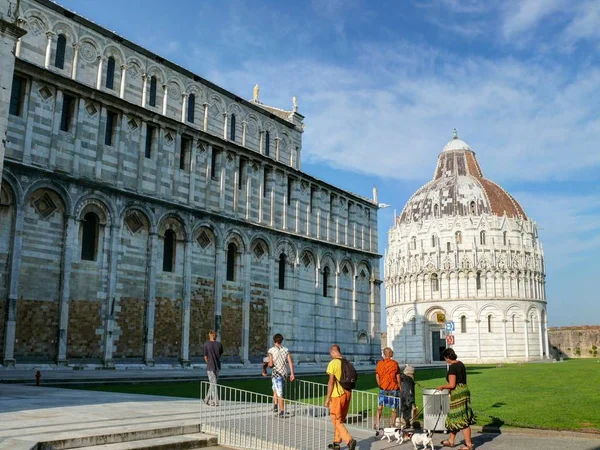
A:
{"points": [[246, 420], [363, 406]]}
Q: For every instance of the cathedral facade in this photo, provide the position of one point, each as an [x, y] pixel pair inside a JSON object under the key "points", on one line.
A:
{"points": [[142, 206], [464, 252]]}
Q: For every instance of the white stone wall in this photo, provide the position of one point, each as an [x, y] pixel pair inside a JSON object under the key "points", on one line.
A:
{"points": [[433, 267]]}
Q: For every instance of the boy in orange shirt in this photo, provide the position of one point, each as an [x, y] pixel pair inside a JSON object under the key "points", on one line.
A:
{"points": [[387, 374]]}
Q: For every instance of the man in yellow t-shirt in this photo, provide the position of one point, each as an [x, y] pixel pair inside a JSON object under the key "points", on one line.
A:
{"points": [[338, 401]]}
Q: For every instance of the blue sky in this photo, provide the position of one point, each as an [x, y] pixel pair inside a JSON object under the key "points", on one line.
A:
{"points": [[382, 84]]}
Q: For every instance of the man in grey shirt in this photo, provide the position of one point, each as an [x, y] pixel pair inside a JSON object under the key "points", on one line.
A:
{"points": [[212, 355]]}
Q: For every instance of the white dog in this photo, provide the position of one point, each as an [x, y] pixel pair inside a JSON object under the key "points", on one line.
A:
{"points": [[390, 433], [423, 439]]}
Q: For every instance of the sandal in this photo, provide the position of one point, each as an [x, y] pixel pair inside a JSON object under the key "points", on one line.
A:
{"points": [[466, 447], [446, 443]]}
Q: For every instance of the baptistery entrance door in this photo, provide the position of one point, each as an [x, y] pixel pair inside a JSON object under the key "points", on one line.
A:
{"points": [[437, 346]]}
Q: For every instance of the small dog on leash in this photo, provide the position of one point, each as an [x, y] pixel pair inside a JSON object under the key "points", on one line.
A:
{"points": [[390, 433], [423, 439]]}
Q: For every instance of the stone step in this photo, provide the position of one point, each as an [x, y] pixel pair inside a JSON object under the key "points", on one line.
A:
{"points": [[114, 435], [183, 442]]}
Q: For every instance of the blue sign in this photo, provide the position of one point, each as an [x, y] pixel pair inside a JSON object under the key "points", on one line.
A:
{"points": [[450, 326]]}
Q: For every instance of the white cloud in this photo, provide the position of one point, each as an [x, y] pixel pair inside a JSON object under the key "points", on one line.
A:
{"points": [[524, 15]]}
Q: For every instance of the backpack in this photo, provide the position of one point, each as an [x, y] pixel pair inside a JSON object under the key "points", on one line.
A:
{"points": [[349, 375]]}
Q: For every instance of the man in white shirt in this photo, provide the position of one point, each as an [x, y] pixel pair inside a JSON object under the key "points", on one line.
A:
{"points": [[282, 365]]}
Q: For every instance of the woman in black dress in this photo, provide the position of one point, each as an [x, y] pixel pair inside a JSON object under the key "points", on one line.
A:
{"points": [[460, 417]]}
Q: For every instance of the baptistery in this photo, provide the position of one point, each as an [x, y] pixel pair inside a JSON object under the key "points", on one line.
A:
{"points": [[465, 268]]}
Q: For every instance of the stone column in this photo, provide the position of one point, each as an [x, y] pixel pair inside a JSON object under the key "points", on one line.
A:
{"points": [[144, 89], [477, 324], [184, 98], [151, 263], [504, 337], [123, 81], [541, 331], [113, 257], [205, 122], [277, 149], [20, 30], [71, 228], [244, 123], [10, 34], [165, 99], [187, 293], [546, 338], [49, 36], [219, 277], [354, 279], [225, 126], [526, 339], [99, 75], [75, 61], [246, 308], [13, 289]]}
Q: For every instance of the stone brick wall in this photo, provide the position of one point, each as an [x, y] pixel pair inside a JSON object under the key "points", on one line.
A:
{"points": [[202, 318], [232, 323], [37, 330], [129, 336], [575, 342], [84, 340], [167, 328]]}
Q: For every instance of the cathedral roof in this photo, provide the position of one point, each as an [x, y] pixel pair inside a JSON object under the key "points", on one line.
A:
{"points": [[459, 188]]}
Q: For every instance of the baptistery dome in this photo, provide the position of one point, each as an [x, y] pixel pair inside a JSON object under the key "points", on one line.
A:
{"points": [[464, 251], [459, 188]]}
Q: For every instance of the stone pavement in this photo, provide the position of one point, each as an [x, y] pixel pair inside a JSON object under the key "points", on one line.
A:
{"points": [[37, 413]]}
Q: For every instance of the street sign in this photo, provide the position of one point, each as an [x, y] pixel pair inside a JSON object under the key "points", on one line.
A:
{"points": [[450, 339], [450, 326]]}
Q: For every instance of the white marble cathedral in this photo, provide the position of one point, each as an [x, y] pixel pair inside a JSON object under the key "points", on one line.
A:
{"points": [[463, 250]]}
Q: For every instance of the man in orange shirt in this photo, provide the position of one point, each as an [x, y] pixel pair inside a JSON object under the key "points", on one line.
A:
{"points": [[387, 374]]}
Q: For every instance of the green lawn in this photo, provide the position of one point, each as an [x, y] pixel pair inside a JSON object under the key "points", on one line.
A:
{"points": [[560, 396]]}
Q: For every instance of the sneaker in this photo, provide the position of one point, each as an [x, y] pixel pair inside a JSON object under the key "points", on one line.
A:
{"points": [[283, 414], [352, 444], [334, 446], [275, 408]]}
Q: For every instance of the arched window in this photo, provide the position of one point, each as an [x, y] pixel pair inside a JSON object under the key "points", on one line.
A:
{"points": [[232, 128], [514, 328], [110, 73], [433, 240], [267, 143], [478, 280], [89, 238], [458, 236], [482, 238], [282, 261], [489, 320], [505, 238], [191, 106], [473, 208], [463, 324], [152, 98], [413, 242], [435, 283], [413, 326], [231, 257], [436, 210], [169, 251], [325, 281], [61, 47], [448, 248]]}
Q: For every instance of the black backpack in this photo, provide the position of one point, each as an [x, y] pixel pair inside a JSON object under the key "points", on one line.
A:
{"points": [[349, 375]]}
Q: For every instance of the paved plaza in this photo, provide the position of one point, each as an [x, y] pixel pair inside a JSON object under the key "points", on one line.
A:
{"points": [[29, 413]]}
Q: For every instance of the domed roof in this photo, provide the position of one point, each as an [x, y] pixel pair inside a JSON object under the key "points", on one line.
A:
{"points": [[456, 144], [459, 188]]}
